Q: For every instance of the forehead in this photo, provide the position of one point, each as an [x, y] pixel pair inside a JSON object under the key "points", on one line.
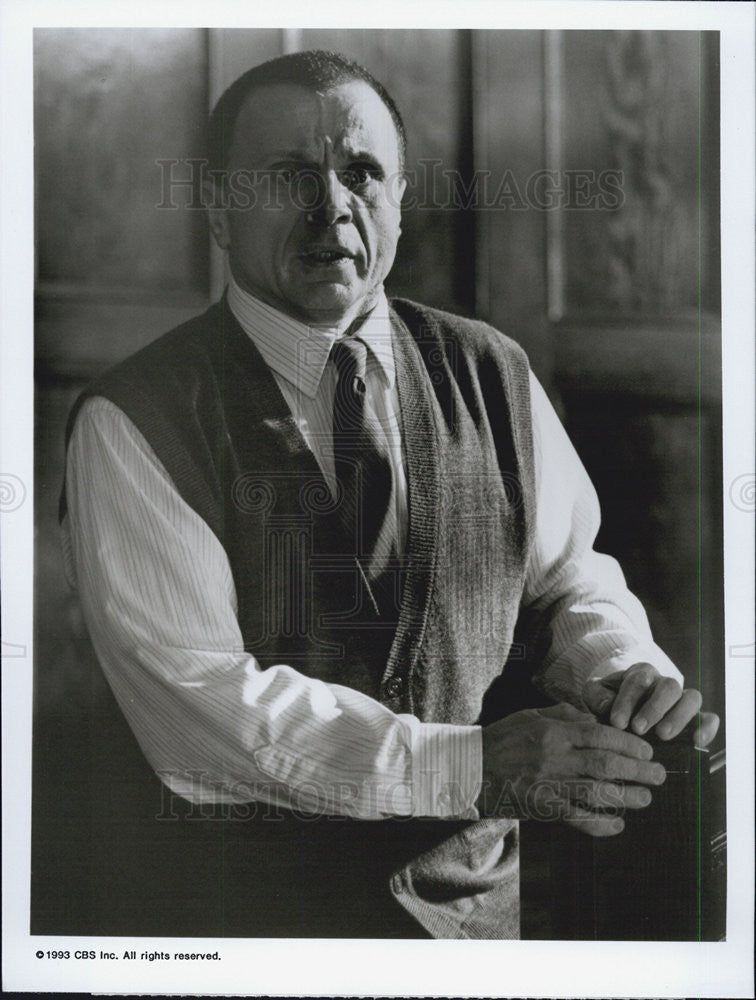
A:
{"points": [[287, 118]]}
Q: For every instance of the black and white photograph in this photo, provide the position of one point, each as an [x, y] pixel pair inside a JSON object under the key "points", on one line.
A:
{"points": [[385, 521]]}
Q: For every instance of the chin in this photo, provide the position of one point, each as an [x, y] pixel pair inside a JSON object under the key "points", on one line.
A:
{"points": [[328, 306]]}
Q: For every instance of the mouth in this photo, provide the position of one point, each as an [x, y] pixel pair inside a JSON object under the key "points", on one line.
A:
{"points": [[326, 255]]}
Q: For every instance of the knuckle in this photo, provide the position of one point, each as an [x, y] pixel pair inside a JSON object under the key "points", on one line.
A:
{"points": [[607, 795], [550, 738], [641, 674], [590, 732], [668, 685], [543, 738], [603, 764], [582, 791], [633, 746]]}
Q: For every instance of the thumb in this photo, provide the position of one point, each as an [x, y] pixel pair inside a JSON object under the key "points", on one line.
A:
{"points": [[566, 713], [598, 697]]}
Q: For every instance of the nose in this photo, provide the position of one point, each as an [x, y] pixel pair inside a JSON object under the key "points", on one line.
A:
{"points": [[332, 203]]}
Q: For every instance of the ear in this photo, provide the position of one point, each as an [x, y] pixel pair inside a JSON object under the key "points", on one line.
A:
{"points": [[400, 189], [216, 213]]}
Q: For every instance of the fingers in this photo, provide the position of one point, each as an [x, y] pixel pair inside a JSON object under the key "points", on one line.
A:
{"points": [[599, 737], [594, 824], [610, 766], [665, 694], [677, 718], [607, 795], [633, 688], [612, 681], [590, 806], [706, 730], [646, 701]]}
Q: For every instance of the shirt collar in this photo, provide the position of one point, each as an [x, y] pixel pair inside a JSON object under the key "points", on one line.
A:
{"points": [[299, 352]]}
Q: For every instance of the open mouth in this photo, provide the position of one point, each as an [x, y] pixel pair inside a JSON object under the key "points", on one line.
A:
{"points": [[325, 256]]}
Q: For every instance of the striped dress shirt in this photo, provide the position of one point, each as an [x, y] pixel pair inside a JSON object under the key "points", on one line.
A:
{"points": [[160, 604]]}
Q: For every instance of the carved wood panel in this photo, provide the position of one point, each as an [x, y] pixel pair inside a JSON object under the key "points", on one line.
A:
{"points": [[630, 138], [605, 291]]}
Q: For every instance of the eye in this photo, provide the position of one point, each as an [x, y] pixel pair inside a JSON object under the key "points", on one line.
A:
{"points": [[358, 175]]}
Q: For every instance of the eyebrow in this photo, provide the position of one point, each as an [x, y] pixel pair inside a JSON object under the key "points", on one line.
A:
{"points": [[289, 154], [360, 154], [280, 156], [300, 157]]}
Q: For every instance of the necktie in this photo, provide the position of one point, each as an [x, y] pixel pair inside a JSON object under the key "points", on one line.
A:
{"points": [[362, 466]]}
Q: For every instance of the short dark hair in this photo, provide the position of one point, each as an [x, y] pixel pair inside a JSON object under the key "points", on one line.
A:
{"points": [[314, 69]]}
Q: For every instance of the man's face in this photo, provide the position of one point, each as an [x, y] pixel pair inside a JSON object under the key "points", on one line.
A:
{"points": [[324, 173]]}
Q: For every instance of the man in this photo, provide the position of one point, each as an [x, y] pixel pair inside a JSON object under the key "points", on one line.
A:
{"points": [[304, 527]]}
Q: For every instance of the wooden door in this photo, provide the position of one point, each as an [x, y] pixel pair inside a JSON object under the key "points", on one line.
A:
{"points": [[607, 269]]}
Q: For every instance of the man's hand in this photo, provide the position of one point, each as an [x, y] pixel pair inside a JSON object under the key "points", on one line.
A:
{"points": [[559, 763], [641, 698]]}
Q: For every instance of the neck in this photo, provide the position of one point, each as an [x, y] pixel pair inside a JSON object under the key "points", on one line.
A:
{"points": [[343, 323]]}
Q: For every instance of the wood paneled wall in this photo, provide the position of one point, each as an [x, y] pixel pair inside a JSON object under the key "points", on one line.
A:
{"points": [[616, 303], [612, 286]]}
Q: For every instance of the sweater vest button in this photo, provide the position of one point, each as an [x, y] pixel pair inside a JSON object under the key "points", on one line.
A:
{"points": [[395, 687]]}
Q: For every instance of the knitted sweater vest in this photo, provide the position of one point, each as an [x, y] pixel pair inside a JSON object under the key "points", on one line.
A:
{"points": [[209, 407]]}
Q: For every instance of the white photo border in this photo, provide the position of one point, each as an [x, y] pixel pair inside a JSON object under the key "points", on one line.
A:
{"points": [[359, 968]]}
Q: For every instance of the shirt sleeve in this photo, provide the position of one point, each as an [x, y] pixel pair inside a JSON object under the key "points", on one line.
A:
{"points": [[159, 601], [586, 622]]}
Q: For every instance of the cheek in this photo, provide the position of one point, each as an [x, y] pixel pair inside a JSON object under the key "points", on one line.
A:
{"points": [[388, 227], [384, 217]]}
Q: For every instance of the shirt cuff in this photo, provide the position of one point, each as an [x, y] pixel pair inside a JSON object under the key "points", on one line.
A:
{"points": [[622, 659], [447, 770]]}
